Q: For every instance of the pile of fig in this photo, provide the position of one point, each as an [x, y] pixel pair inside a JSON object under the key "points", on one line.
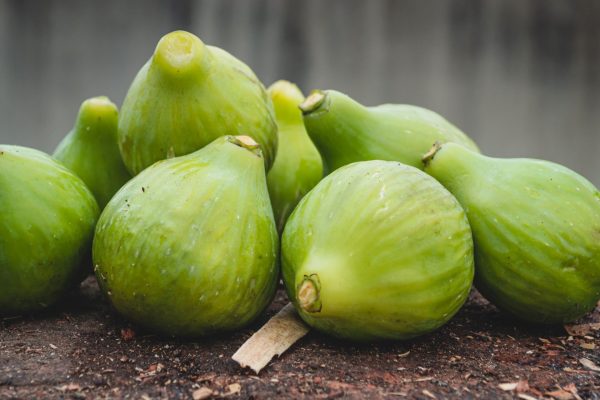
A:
{"points": [[193, 201]]}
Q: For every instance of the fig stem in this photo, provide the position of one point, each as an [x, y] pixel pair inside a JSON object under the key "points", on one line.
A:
{"points": [[246, 142], [309, 298], [427, 157], [313, 102]]}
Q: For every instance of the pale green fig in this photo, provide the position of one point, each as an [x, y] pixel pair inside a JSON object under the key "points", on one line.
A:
{"points": [[345, 131], [187, 95], [90, 149], [377, 250], [47, 219], [536, 228], [189, 246], [298, 166]]}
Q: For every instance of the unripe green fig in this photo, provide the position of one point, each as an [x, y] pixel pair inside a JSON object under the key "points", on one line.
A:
{"points": [[536, 228], [298, 166], [47, 219], [90, 149], [189, 247], [345, 131], [187, 95], [377, 250]]}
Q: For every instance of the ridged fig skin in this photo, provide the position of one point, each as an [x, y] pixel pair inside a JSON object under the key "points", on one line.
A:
{"points": [[298, 166], [187, 95], [91, 150], [390, 248], [46, 229], [346, 131], [536, 228], [189, 247]]}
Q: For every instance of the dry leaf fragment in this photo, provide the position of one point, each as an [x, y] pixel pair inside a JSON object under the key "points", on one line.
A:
{"points": [[587, 346], [582, 329], [568, 392], [560, 394], [589, 364], [127, 334], [202, 393]]}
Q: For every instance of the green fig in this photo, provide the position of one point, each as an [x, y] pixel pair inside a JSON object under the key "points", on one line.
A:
{"points": [[187, 95], [298, 166], [189, 246], [90, 149], [536, 228], [47, 219], [345, 131], [377, 250]]}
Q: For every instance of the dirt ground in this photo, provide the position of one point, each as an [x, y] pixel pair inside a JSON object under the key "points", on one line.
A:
{"points": [[81, 349]]}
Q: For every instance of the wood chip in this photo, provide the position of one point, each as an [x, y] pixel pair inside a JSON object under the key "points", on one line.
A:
{"points": [[428, 394], [71, 387], [273, 339], [233, 389], [589, 364], [202, 393], [508, 386], [526, 396], [522, 386], [587, 346]]}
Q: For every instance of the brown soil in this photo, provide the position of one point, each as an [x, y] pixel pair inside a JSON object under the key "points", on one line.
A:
{"points": [[83, 350]]}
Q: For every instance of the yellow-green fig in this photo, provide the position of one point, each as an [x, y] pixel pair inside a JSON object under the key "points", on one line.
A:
{"points": [[377, 250], [47, 219], [345, 131], [187, 95], [90, 149], [189, 246], [536, 228], [298, 166]]}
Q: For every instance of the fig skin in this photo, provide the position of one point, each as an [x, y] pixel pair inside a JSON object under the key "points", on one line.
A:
{"points": [[298, 166], [377, 250], [46, 230], [187, 95], [345, 131], [90, 149], [536, 228], [189, 246]]}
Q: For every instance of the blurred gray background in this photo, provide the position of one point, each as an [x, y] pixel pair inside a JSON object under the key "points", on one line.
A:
{"points": [[522, 77]]}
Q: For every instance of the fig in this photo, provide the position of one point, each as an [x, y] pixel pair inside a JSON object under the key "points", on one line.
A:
{"points": [[345, 131], [90, 149], [377, 250], [187, 95], [298, 166], [536, 228], [46, 228], [189, 246]]}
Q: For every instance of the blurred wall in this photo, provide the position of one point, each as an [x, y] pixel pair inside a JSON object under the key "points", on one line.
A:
{"points": [[522, 77]]}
